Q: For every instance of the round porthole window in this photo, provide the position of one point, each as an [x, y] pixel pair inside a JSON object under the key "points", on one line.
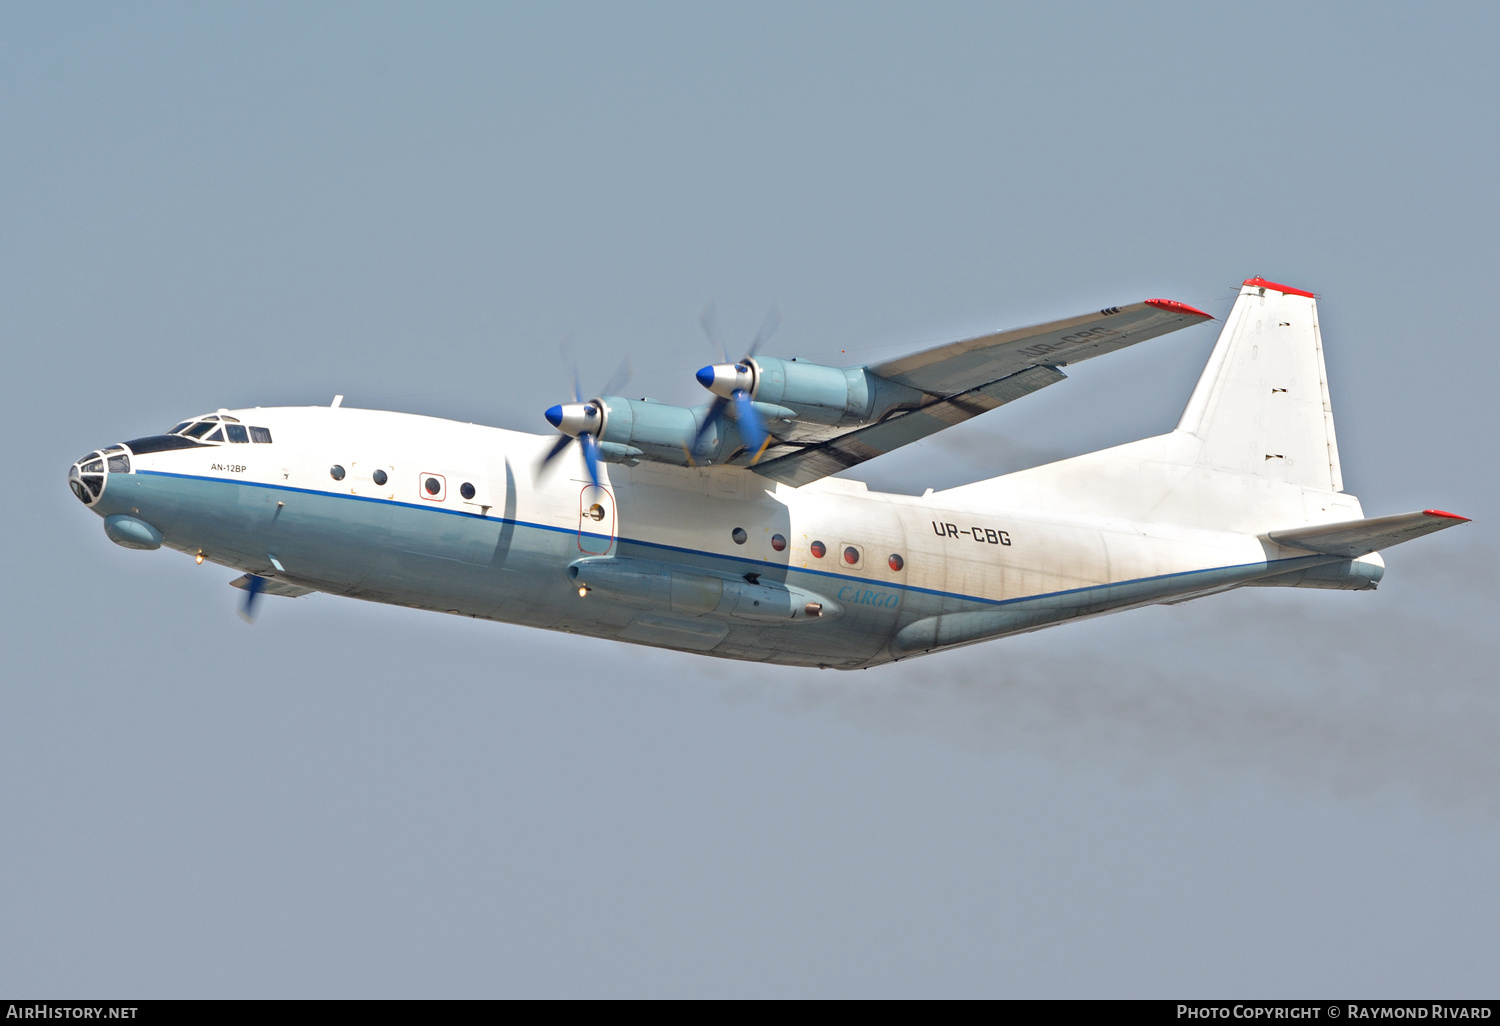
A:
{"points": [[896, 562], [778, 542], [378, 477], [466, 490], [851, 555], [433, 485], [739, 535], [336, 472], [819, 550]]}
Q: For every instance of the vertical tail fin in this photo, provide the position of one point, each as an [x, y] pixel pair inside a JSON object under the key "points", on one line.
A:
{"points": [[1261, 407], [1254, 450]]}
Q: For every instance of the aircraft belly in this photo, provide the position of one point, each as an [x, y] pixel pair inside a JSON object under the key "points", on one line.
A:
{"points": [[963, 575]]}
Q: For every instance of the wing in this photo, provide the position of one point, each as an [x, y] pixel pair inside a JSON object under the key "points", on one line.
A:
{"points": [[960, 366], [902, 428], [963, 379]]}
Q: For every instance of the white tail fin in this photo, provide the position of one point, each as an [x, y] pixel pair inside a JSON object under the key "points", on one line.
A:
{"points": [[1254, 450], [1261, 406]]}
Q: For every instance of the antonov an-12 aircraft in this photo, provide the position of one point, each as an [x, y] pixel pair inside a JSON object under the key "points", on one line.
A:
{"points": [[718, 529]]}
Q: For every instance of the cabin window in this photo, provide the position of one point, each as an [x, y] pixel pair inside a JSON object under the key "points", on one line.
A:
{"points": [[378, 477], [236, 433], [778, 542], [466, 490], [895, 562], [434, 487], [336, 472], [819, 550], [739, 535], [851, 555], [260, 434]]}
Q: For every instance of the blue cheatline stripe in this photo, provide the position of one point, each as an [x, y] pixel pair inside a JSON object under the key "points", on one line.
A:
{"points": [[717, 555]]}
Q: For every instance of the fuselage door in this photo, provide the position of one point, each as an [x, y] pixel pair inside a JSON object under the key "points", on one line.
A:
{"points": [[596, 521]]}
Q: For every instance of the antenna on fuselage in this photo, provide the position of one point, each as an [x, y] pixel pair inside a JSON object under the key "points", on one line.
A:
{"points": [[338, 401]]}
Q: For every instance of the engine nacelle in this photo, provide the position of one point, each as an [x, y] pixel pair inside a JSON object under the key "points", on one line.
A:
{"points": [[828, 395], [637, 429], [794, 390]]}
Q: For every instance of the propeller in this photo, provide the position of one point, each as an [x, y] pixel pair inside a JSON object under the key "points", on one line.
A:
{"points": [[582, 421], [253, 587], [734, 382]]}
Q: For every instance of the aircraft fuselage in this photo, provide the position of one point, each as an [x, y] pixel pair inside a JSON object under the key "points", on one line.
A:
{"points": [[451, 517]]}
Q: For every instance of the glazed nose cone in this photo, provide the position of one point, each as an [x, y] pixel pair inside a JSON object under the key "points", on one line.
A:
{"points": [[86, 477]]}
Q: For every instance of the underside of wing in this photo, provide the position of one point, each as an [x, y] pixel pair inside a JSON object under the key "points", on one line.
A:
{"points": [[902, 428]]}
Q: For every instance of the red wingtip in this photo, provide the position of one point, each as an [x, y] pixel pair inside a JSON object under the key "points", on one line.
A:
{"points": [[1445, 513], [1172, 306], [1261, 283]]}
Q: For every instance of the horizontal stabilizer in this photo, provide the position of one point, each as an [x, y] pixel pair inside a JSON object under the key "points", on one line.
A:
{"points": [[272, 586], [1354, 538]]}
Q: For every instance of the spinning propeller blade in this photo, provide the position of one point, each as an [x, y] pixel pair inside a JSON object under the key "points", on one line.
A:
{"points": [[715, 411], [619, 378], [709, 318], [590, 456], [751, 428], [767, 329], [253, 588], [552, 453]]}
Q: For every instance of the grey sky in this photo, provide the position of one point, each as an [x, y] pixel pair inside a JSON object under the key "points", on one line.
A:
{"points": [[1258, 794]]}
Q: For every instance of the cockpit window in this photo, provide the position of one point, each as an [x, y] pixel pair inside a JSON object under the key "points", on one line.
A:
{"points": [[220, 427]]}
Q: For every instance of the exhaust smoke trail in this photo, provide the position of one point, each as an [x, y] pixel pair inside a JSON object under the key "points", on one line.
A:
{"points": [[1351, 694]]}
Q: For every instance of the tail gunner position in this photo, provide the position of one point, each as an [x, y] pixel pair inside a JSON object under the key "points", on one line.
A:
{"points": [[718, 529]]}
